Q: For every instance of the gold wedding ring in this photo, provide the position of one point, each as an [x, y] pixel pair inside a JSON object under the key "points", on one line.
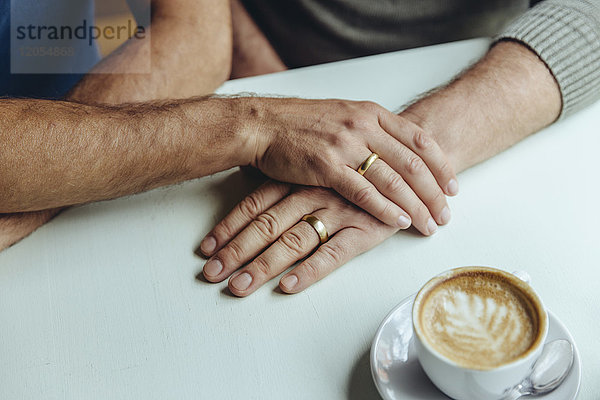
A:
{"points": [[318, 226], [367, 163]]}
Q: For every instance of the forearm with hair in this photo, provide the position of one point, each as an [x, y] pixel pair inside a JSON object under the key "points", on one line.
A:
{"points": [[190, 55], [502, 99], [61, 153]]}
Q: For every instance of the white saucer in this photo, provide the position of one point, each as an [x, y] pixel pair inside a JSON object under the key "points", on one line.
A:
{"points": [[398, 374]]}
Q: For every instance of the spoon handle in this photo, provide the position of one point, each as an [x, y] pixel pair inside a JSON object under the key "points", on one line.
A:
{"points": [[514, 394]]}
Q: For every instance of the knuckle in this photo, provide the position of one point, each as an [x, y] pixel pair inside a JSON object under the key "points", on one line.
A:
{"points": [[233, 252], [311, 271], [343, 104], [387, 209], [293, 241], [223, 230], [439, 197], [415, 165], [370, 106], [260, 266], [334, 141], [363, 196], [350, 123], [445, 168], [344, 140], [394, 184], [267, 225], [357, 122], [334, 253], [323, 158], [421, 139], [251, 205]]}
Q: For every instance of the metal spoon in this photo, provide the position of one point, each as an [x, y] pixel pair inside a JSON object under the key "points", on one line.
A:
{"points": [[549, 371]]}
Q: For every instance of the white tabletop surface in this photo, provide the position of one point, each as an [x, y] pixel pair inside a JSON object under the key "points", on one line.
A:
{"points": [[103, 302]]}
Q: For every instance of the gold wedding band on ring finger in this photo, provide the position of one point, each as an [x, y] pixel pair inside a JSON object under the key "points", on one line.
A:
{"points": [[318, 226], [367, 163]]}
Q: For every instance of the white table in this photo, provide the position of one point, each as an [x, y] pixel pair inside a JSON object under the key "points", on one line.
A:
{"points": [[103, 302]]}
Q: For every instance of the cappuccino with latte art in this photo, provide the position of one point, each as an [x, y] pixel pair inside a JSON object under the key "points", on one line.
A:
{"points": [[478, 331], [480, 318]]}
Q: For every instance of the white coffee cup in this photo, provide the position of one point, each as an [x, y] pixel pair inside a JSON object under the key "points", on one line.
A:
{"points": [[467, 383]]}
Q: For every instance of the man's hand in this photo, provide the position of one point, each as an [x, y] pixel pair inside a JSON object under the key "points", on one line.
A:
{"points": [[266, 232], [323, 142]]}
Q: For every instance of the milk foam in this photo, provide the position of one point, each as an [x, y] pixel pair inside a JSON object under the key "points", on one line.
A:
{"points": [[480, 323]]}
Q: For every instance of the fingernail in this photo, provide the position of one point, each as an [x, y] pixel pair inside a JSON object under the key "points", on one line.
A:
{"points": [[452, 187], [242, 281], [213, 267], [445, 215], [403, 222], [289, 281], [431, 226], [208, 244]]}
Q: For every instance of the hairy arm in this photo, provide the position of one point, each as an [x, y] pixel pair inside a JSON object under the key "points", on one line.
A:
{"points": [[546, 67], [190, 51], [84, 152], [505, 97], [189, 44]]}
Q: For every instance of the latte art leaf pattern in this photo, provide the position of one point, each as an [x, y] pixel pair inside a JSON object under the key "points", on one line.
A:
{"points": [[477, 325]]}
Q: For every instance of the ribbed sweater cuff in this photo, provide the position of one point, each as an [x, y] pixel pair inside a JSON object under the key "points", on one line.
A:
{"points": [[566, 36]]}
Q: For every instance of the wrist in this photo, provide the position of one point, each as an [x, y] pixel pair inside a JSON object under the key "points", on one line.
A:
{"points": [[505, 97], [251, 137], [219, 135]]}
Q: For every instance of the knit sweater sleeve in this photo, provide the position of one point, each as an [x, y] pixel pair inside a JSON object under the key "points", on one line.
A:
{"points": [[566, 36]]}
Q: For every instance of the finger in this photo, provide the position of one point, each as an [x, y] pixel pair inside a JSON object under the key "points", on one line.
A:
{"points": [[253, 205], [419, 142], [293, 245], [261, 232], [358, 190], [345, 245], [393, 186], [414, 171]]}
